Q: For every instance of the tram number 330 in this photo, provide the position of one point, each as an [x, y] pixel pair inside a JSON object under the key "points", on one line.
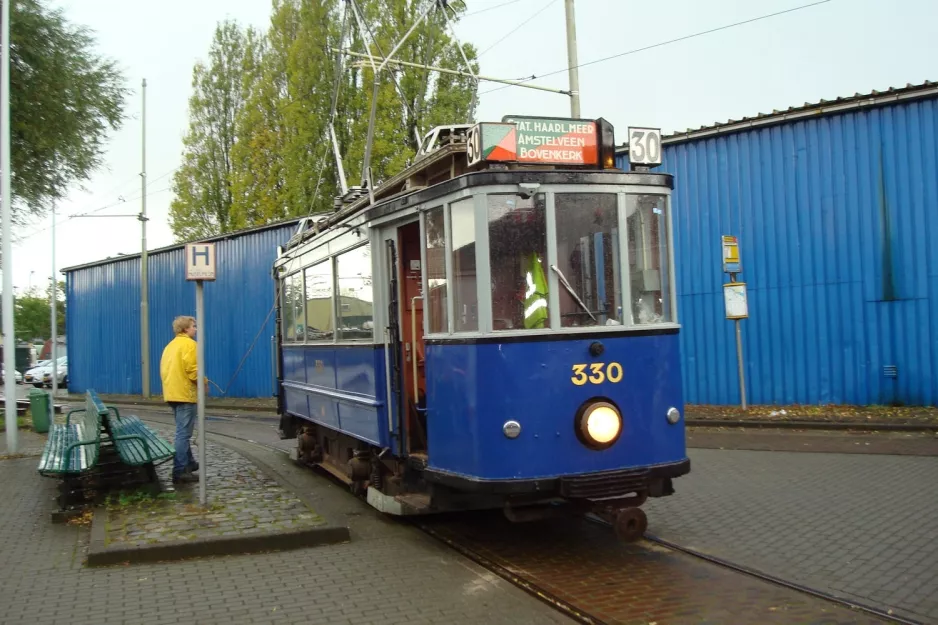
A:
{"points": [[596, 373]]}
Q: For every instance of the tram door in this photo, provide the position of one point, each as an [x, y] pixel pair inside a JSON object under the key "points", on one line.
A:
{"points": [[406, 296]]}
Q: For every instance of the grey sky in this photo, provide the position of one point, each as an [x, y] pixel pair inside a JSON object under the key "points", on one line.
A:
{"points": [[834, 49]]}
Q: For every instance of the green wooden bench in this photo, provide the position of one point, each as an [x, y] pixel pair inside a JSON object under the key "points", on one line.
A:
{"points": [[136, 444], [74, 448]]}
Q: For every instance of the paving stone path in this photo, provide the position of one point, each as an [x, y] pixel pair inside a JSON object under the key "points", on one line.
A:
{"points": [[240, 500]]}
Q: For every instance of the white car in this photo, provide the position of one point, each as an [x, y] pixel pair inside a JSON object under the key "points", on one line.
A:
{"points": [[34, 376], [61, 376], [18, 376]]}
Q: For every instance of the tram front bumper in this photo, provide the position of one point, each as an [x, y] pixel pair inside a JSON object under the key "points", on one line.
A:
{"points": [[656, 480]]}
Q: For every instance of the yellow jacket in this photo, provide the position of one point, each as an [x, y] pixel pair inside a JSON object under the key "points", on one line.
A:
{"points": [[179, 370]]}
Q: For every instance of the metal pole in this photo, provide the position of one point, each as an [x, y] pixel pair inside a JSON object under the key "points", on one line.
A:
{"points": [[572, 62], [739, 359], [6, 240], [144, 284], [200, 358], [52, 306]]}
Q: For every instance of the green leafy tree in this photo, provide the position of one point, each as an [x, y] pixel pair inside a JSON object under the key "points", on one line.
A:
{"points": [[202, 205], [64, 99], [32, 314], [283, 164]]}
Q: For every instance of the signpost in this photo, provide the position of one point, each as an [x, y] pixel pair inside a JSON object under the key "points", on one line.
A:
{"points": [[736, 303], [200, 266]]}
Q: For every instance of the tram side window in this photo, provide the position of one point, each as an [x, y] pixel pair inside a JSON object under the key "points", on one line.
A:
{"points": [[588, 257], [318, 317], [648, 258], [356, 307], [298, 309], [518, 256], [436, 270], [287, 316], [465, 297]]}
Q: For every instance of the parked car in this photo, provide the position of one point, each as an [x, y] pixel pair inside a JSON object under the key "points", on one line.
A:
{"points": [[61, 376], [19, 376], [34, 376]]}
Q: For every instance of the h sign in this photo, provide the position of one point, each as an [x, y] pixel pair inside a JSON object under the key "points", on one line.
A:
{"points": [[200, 261]]}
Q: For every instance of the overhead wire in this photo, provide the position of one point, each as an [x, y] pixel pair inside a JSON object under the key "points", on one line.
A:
{"points": [[664, 43], [491, 8], [518, 27], [97, 210]]}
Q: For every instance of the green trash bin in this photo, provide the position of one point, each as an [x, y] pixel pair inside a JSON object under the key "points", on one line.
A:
{"points": [[39, 409]]}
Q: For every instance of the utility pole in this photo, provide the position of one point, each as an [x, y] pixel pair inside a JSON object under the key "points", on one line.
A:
{"points": [[144, 286], [55, 351], [572, 62], [6, 239]]}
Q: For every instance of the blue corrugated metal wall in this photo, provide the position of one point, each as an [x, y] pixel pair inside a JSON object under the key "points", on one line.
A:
{"points": [[103, 322], [837, 218]]}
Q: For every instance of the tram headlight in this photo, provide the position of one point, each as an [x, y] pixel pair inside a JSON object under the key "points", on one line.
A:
{"points": [[599, 424]]}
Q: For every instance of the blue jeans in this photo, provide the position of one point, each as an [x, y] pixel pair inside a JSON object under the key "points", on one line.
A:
{"points": [[185, 422]]}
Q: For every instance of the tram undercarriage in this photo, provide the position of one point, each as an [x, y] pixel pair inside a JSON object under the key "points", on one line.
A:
{"points": [[401, 486]]}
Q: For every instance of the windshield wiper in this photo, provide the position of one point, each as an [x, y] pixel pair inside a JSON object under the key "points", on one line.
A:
{"points": [[563, 280]]}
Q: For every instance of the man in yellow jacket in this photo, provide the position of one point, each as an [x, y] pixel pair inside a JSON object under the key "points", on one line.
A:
{"points": [[179, 372]]}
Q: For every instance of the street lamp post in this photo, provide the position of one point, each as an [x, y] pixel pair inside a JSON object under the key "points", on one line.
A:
{"points": [[6, 239]]}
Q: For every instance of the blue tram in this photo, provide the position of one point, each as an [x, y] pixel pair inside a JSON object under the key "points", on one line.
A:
{"points": [[495, 327]]}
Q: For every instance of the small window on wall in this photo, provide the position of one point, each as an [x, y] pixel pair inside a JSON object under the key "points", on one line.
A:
{"points": [[465, 297], [588, 257], [646, 221], [318, 318], [356, 308], [287, 312], [518, 256], [436, 270]]}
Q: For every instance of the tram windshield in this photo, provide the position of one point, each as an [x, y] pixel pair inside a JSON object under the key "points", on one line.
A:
{"points": [[606, 273]]}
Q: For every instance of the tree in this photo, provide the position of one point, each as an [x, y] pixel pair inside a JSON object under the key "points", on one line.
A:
{"points": [[202, 206], [32, 314], [281, 163], [64, 99]]}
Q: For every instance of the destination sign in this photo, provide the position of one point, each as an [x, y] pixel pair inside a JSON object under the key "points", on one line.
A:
{"points": [[534, 140], [556, 141]]}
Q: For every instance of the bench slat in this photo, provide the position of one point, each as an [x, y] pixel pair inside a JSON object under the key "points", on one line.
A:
{"points": [[74, 447], [134, 451]]}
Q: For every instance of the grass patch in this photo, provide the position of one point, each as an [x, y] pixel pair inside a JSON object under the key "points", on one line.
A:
{"points": [[22, 423]]}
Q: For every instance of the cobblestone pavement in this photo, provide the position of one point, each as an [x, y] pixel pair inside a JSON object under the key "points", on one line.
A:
{"points": [[862, 527], [390, 573], [817, 519], [240, 500]]}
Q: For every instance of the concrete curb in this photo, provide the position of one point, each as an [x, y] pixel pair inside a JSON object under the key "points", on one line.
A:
{"points": [[251, 414], [101, 555], [814, 425], [210, 403]]}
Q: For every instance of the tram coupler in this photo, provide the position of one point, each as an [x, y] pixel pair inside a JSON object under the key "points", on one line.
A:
{"points": [[630, 524]]}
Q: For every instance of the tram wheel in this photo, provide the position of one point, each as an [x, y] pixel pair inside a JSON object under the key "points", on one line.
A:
{"points": [[630, 524]]}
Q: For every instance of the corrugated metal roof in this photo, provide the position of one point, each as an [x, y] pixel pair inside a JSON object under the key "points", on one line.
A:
{"points": [[176, 246], [807, 110]]}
